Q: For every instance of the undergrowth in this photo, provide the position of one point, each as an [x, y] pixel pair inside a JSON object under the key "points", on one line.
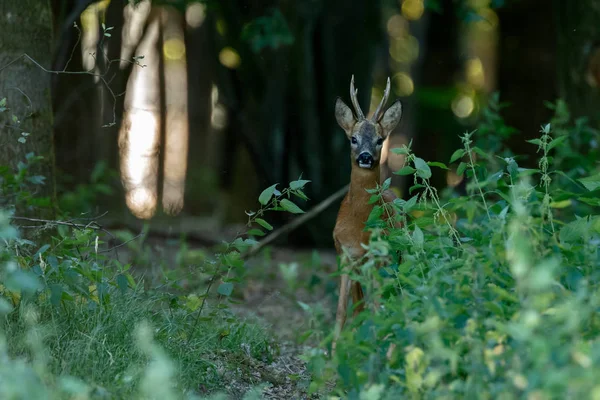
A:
{"points": [[493, 295], [75, 322]]}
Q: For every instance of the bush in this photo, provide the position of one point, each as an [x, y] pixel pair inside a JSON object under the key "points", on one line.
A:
{"points": [[491, 296]]}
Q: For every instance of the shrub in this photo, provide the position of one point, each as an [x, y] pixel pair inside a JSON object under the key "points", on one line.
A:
{"points": [[492, 296]]}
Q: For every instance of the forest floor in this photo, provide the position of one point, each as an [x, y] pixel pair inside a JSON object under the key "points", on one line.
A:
{"points": [[288, 291]]}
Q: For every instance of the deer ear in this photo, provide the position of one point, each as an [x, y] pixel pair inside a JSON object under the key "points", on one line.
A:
{"points": [[344, 116], [391, 118]]}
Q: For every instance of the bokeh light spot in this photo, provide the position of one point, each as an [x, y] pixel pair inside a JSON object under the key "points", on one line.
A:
{"points": [[195, 14], [403, 84], [174, 49], [229, 58], [463, 106], [413, 9]]}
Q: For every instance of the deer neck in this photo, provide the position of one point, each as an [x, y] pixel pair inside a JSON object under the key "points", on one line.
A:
{"points": [[360, 180]]}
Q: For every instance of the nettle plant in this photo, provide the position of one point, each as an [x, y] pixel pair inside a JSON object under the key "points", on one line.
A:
{"points": [[490, 295], [18, 187], [228, 266]]}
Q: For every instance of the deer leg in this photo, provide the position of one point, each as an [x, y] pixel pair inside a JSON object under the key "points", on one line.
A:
{"points": [[340, 318], [357, 296]]}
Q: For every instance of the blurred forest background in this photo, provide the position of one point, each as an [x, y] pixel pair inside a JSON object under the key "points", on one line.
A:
{"points": [[181, 112]]}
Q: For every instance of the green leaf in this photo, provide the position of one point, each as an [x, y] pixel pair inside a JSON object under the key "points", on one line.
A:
{"points": [[233, 260], [266, 195], [410, 203], [122, 283], [264, 224], [546, 128], [537, 142], [494, 307], [573, 231], [591, 182], [461, 168], [592, 201], [457, 154], [256, 232], [480, 152], [291, 207], [418, 237], [130, 280], [406, 170], [299, 184], [557, 141], [399, 150], [374, 217], [423, 170], [56, 291], [304, 306], [42, 250], [503, 293], [225, 288], [437, 164], [299, 193], [386, 184], [192, 302]]}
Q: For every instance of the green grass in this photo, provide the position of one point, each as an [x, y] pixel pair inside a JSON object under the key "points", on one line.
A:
{"points": [[72, 323], [100, 348]]}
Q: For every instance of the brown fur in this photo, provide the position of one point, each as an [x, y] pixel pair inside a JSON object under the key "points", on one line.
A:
{"points": [[349, 234]]}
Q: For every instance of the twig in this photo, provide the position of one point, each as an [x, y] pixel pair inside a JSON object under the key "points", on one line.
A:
{"points": [[122, 244], [91, 225], [90, 218], [295, 223], [91, 72]]}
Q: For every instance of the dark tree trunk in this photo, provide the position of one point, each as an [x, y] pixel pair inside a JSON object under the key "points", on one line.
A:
{"points": [[27, 29], [436, 125], [578, 36], [526, 70]]}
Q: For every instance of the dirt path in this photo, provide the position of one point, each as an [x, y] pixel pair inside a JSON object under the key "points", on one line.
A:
{"points": [[276, 302], [288, 291]]}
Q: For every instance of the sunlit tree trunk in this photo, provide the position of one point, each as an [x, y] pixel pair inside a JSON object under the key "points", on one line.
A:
{"points": [[176, 127], [27, 29], [139, 135]]}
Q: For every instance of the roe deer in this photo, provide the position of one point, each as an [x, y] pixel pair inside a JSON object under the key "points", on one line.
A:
{"points": [[366, 140]]}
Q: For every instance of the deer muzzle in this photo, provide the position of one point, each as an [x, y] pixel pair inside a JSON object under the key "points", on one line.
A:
{"points": [[365, 160]]}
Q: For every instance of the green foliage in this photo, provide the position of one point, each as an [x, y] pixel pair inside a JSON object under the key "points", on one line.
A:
{"points": [[228, 266], [77, 320], [18, 187], [84, 196], [491, 295], [492, 130], [269, 31]]}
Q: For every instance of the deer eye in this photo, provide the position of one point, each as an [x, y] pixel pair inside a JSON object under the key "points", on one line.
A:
{"points": [[353, 140], [379, 142]]}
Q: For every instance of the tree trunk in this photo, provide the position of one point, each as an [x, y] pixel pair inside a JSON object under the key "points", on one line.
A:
{"points": [[526, 71], [578, 34], [27, 29]]}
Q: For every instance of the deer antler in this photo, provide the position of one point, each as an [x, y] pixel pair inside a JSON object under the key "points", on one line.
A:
{"points": [[353, 92], [379, 109]]}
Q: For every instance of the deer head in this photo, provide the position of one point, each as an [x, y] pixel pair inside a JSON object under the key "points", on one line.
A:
{"points": [[367, 135]]}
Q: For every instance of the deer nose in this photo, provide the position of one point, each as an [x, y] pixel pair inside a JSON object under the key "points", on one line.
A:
{"points": [[365, 160]]}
